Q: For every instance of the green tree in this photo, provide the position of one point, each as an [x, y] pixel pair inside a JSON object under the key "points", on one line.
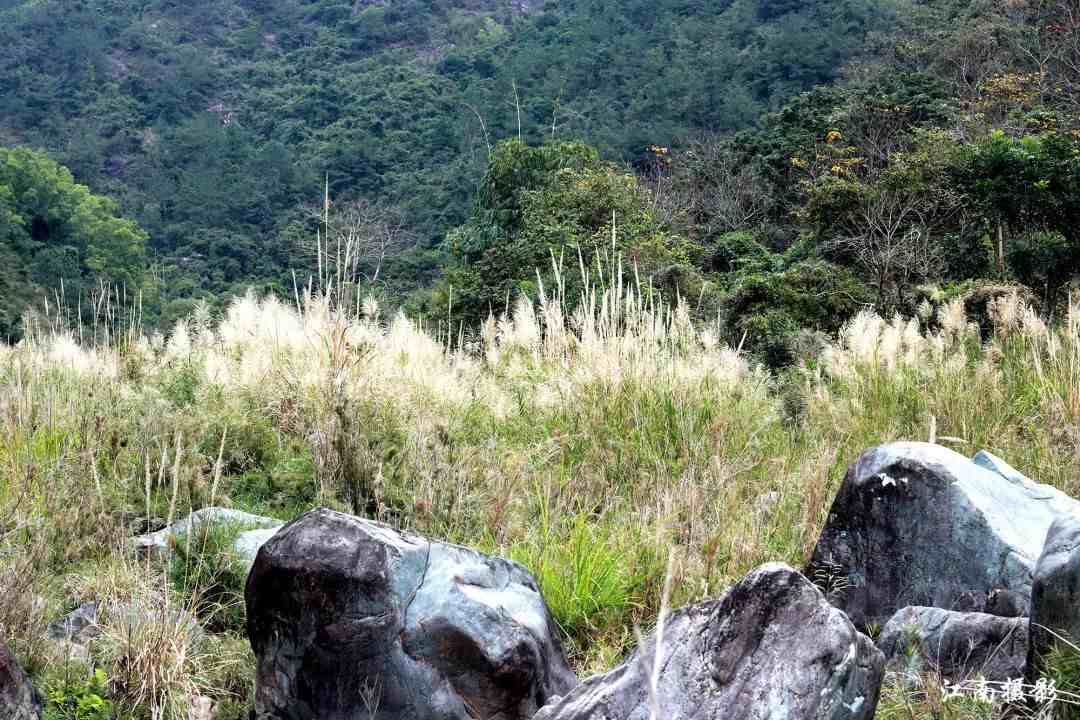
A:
{"points": [[557, 201], [55, 234], [1028, 190]]}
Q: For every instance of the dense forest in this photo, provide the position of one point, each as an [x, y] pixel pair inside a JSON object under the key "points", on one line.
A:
{"points": [[779, 165], [215, 124]]}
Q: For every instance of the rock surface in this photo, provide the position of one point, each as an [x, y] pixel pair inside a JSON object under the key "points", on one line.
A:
{"points": [[18, 699], [247, 543], [69, 637], [918, 524], [351, 619], [79, 626], [957, 645], [1055, 598], [771, 648]]}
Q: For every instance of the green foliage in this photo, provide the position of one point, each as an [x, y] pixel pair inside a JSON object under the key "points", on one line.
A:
{"points": [[58, 238], [587, 575], [364, 453], [737, 253], [1028, 190], [1061, 664], [554, 204], [211, 121], [181, 382], [283, 486], [769, 309], [76, 693]]}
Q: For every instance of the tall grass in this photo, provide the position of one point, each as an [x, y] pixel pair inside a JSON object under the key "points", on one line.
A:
{"points": [[589, 445]]}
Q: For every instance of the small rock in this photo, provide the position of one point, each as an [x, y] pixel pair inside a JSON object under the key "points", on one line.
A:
{"points": [[248, 543], [18, 698], [1055, 597], [201, 708], [770, 648], [956, 645], [765, 504], [78, 627], [918, 524], [136, 617], [1005, 603], [352, 619]]}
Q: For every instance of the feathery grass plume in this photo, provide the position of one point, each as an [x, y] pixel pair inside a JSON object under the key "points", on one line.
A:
{"points": [[590, 444]]}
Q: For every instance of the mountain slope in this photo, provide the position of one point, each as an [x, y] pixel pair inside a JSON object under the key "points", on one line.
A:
{"points": [[213, 121]]}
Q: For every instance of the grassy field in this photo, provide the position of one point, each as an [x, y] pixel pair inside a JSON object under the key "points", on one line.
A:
{"points": [[591, 448]]}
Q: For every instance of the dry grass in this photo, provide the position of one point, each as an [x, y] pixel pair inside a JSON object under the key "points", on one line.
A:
{"points": [[590, 445]]}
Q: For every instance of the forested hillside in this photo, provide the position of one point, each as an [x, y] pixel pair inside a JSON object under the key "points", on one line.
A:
{"points": [[214, 122]]}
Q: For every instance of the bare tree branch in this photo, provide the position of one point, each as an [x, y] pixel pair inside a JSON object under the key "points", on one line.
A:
{"points": [[890, 238]]}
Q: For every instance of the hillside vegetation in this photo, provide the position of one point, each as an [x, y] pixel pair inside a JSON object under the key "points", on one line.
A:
{"points": [[455, 152], [214, 123]]}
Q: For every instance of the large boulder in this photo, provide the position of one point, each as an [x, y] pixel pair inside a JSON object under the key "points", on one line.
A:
{"points": [[351, 619], [956, 645], [918, 524], [1055, 597], [770, 648], [18, 699]]}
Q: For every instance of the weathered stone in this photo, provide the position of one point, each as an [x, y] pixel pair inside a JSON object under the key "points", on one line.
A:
{"points": [[79, 626], [990, 461], [69, 636], [247, 544], [1055, 599], [956, 645], [1006, 603], [351, 619], [918, 524], [765, 505], [770, 648], [18, 698]]}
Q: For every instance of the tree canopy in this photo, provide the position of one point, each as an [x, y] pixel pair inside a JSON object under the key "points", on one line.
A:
{"points": [[57, 237]]}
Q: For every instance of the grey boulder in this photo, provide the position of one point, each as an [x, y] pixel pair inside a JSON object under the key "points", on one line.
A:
{"points": [[770, 648], [79, 626], [1055, 597], [18, 698], [916, 524], [352, 619], [69, 637], [956, 645], [258, 530]]}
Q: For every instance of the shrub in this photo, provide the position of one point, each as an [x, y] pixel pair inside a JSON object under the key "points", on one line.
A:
{"points": [[74, 692], [284, 486]]}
